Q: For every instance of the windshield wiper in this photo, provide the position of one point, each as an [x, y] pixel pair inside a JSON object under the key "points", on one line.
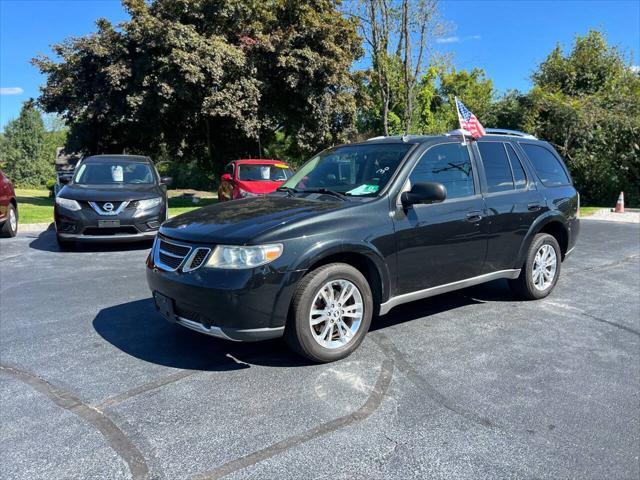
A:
{"points": [[326, 191], [290, 191]]}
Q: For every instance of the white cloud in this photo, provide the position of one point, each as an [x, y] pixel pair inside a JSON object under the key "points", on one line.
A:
{"points": [[11, 91], [635, 68], [456, 39], [448, 40]]}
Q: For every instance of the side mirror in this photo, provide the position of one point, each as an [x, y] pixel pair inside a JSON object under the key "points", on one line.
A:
{"points": [[226, 177], [424, 192], [166, 180]]}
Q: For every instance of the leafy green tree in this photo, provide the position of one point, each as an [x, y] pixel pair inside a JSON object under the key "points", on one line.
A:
{"points": [[587, 103], [207, 79], [26, 159]]}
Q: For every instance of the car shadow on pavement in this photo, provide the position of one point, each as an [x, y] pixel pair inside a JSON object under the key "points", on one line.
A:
{"points": [[495, 291], [137, 329], [46, 242]]}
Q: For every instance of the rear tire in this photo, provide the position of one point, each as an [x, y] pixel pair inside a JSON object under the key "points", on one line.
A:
{"points": [[330, 314], [541, 269], [10, 227]]}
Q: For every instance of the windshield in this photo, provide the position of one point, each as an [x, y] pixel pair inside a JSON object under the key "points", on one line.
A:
{"points": [[116, 173], [361, 170], [267, 172]]}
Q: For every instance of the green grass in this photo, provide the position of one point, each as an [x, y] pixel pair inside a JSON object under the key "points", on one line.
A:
{"points": [[35, 205], [178, 206], [586, 211]]}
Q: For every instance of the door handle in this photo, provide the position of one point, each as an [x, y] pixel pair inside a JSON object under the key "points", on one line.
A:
{"points": [[534, 207], [474, 216]]}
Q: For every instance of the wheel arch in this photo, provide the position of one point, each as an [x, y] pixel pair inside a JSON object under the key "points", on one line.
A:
{"points": [[553, 224], [365, 258]]}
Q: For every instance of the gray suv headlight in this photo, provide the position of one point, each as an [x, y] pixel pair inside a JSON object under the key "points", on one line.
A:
{"points": [[68, 204]]}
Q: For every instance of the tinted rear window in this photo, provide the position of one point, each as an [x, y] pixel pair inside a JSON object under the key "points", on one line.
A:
{"points": [[546, 165]]}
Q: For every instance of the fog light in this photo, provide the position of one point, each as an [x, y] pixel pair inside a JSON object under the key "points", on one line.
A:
{"points": [[153, 224]]}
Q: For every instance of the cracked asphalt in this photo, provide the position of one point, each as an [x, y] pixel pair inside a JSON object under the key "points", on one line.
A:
{"points": [[473, 384]]}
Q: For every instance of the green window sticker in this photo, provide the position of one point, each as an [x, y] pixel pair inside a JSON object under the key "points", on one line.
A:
{"points": [[364, 189]]}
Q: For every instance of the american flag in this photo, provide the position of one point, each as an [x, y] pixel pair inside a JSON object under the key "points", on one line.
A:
{"points": [[468, 120]]}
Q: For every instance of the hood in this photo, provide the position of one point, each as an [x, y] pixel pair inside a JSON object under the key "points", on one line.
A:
{"points": [[258, 186], [238, 221], [105, 193]]}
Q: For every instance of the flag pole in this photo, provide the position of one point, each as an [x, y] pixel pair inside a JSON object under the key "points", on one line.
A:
{"points": [[464, 142]]}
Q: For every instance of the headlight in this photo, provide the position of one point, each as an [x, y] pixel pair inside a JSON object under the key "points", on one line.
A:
{"points": [[148, 203], [228, 256], [244, 193], [68, 203]]}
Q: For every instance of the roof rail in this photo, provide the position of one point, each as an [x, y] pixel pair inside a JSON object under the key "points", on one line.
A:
{"points": [[376, 138], [513, 133], [458, 133]]}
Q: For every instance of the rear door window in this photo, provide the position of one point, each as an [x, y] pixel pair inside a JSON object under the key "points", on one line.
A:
{"points": [[546, 165], [497, 168], [448, 164]]}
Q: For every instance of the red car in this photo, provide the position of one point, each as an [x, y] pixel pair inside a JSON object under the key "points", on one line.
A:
{"points": [[8, 208], [250, 178]]}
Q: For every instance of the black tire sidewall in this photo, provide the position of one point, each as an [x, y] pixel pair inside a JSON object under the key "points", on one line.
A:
{"points": [[7, 231], [538, 241], [301, 337]]}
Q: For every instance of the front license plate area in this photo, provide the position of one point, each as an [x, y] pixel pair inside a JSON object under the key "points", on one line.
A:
{"points": [[164, 306], [108, 223]]}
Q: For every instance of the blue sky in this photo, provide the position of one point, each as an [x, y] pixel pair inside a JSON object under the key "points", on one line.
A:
{"points": [[505, 38]]}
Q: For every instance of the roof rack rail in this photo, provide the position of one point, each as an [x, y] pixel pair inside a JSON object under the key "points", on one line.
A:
{"points": [[513, 133], [376, 138]]}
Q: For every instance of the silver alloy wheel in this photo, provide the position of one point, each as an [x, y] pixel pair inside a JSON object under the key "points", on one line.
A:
{"points": [[545, 264], [336, 313], [13, 221]]}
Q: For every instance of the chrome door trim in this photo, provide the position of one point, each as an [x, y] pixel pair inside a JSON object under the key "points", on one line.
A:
{"points": [[448, 287]]}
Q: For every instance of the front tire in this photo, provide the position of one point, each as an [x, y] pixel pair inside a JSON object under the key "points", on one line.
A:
{"points": [[330, 314], [541, 269], [10, 227]]}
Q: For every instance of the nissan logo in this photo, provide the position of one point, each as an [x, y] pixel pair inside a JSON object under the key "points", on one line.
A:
{"points": [[107, 207]]}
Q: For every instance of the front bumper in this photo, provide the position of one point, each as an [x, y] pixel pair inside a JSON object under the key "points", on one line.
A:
{"points": [[84, 225], [240, 305]]}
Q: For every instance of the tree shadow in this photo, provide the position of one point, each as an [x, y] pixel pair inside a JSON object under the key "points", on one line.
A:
{"points": [[46, 242], [137, 329]]}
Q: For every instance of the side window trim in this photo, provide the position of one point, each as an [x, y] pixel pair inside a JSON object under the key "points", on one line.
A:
{"points": [[518, 158], [474, 171]]}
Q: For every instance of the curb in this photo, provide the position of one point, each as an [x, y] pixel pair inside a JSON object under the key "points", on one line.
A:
{"points": [[33, 227]]}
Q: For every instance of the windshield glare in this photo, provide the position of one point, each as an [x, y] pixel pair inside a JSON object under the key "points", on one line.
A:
{"points": [[114, 174], [361, 170], [265, 173]]}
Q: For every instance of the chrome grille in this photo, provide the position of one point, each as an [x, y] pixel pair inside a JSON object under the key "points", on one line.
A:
{"points": [[196, 259], [169, 255]]}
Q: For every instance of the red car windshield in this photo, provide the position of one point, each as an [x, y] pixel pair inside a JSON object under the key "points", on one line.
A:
{"points": [[267, 172]]}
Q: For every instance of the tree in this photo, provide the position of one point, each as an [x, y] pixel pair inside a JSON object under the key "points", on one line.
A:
{"points": [[207, 79], [587, 103], [438, 88], [27, 161], [398, 36]]}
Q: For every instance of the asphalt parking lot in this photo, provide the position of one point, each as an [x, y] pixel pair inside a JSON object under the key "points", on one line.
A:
{"points": [[473, 384]]}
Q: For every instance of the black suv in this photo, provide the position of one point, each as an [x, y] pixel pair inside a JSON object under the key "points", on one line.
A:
{"points": [[362, 228], [111, 198]]}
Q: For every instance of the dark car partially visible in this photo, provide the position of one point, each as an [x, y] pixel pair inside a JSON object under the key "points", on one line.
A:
{"points": [[8, 208], [111, 198]]}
